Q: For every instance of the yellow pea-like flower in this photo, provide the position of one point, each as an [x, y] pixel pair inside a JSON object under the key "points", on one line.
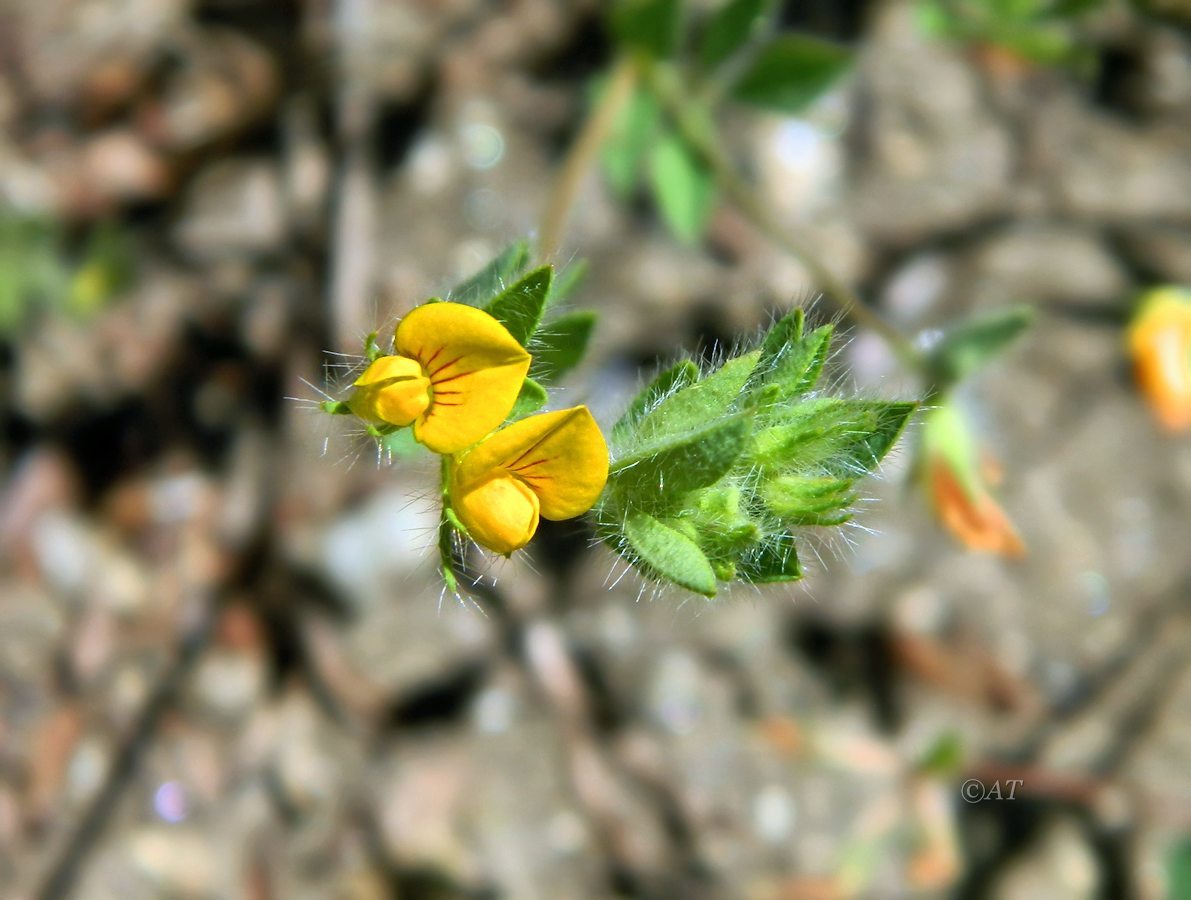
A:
{"points": [[552, 466], [455, 377], [1160, 344]]}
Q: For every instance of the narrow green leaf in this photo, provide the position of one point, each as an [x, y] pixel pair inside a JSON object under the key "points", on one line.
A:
{"points": [[970, 345], [531, 398], [494, 277], [790, 73], [632, 134], [649, 25], [669, 554], [519, 307], [560, 344], [831, 437], [698, 403], [663, 385], [659, 474], [682, 186], [773, 562], [729, 29]]}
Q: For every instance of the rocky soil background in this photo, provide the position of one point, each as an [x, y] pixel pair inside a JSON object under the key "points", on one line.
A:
{"points": [[227, 669]]}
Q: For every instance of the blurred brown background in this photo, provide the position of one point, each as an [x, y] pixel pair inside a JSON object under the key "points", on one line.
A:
{"points": [[226, 667]]}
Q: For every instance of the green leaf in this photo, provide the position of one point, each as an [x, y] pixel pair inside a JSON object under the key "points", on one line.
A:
{"points": [[682, 186], [565, 282], [790, 359], [805, 500], [649, 25], [660, 473], [669, 554], [698, 403], [831, 437], [531, 398], [792, 72], [970, 345], [560, 344], [1178, 870], [729, 29], [519, 307], [663, 385], [494, 277], [944, 757], [632, 134], [773, 562]]}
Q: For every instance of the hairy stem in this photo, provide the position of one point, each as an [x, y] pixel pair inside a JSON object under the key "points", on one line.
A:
{"points": [[582, 155]]}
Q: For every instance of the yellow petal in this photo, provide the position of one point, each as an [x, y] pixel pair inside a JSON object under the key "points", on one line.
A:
{"points": [[475, 368], [561, 456], [393, 390], [500, 513]]}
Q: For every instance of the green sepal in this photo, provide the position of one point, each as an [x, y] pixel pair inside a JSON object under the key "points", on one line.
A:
{"points": [[663, 385], [790, 359], [336, 408], [709, 397], [659, 473], [519, 307], [669, 553], [531, 398], [972, 344], [494, 277], [791, 72], [799, 500], [730, 29], [774, 561], [372, 350], [648, 25], [833, 437], [560, 345], [721, 527], [683, 187]]}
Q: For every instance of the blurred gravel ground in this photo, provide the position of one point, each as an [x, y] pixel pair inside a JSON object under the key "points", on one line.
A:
{"points": [[192, 560]]}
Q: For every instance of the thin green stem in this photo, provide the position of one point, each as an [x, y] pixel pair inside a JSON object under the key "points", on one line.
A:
{"points": [[703, 141], [582, 154]]}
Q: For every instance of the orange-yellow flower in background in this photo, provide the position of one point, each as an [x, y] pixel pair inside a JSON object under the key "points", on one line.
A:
{"points": [[551, 466], [1160, 344], [958, 489], [455, 377]]}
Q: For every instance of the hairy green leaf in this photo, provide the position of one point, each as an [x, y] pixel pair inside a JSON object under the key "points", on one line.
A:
{"points": [[519, 307], [560, 344], [831, 437], [664, 384], [698, 403], [772, 562], [669, 554], [531, 398], [660, 473]]}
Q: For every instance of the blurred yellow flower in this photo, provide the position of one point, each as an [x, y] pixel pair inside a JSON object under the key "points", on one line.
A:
{"points": [[552, 465], [1160, 344], [958, 489], [455, 377]]}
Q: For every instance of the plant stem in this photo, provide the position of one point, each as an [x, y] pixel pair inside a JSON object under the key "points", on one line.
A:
{"points": [[703, 141], [582, 154]]}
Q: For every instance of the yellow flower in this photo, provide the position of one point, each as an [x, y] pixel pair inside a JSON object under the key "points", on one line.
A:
{"points": [[455, 377], [553, 466], [1160, 343], [958, 488]]}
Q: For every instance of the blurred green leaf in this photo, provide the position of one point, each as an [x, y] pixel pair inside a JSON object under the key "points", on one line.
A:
{"points": [[519, 307], [730, 28], [944, 756], [648, 25], [670, 554], [1178, 870], [566, 281], [494, 277], [624, 152], [531, 398], [792, 72], [966, 347], [682, 186], [560, 345]]}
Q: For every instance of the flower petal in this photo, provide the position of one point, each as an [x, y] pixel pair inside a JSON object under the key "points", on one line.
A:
{"points": [[475, 369], [500, 513], [975, 519], [1160, 342], [392, 390], [561, 456]]}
